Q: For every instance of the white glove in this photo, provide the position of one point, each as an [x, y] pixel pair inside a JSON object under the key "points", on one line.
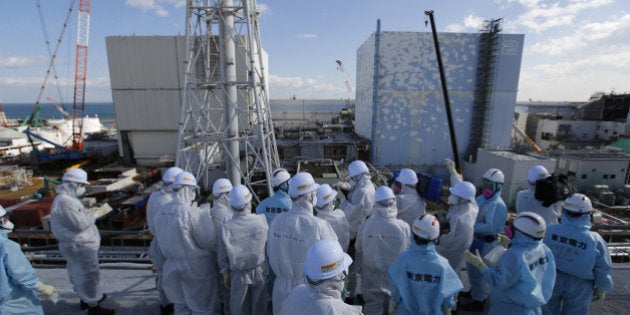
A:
{"points": [[503, 240], [475, 260], [47, 290], [450, 165], [393, 306], [599, 295]]}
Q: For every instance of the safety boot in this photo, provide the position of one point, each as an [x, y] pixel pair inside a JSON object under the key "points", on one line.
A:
{"points": [[167, 309], [98, 310], [474, 306], [85, 306]]}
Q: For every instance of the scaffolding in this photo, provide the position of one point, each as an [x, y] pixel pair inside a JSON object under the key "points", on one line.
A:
{"points": [[486, 64], [226, 128]]}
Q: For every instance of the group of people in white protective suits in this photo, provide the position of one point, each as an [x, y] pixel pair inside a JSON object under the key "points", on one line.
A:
{"points": [[379, 252]]}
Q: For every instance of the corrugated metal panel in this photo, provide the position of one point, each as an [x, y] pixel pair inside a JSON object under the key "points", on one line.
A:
{"points": [[411, 118], [153, 148], [141, 110], [145, 62]]}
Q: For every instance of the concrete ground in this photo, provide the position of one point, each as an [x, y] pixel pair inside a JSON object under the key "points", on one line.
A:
{"points": [[132, 291]]}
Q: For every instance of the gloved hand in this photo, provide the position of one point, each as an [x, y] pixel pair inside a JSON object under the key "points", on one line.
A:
{"points": [[226, 279], [450, 165], [393, 307], [503, 240], [599, 295], [46, 290], [475, 260]]}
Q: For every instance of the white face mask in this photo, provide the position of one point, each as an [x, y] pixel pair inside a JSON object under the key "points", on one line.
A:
{"points": [[80, 191], [453, 200], [7, 227]]}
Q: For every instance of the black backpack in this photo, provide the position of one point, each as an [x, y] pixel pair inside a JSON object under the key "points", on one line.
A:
{"points": [[553, 189]]}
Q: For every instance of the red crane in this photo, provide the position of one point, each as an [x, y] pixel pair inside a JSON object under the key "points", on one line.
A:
{"points": [[83, 30]]}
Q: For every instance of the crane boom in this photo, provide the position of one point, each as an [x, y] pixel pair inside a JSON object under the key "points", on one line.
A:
{"points": [[345, 75], [83, 30]]}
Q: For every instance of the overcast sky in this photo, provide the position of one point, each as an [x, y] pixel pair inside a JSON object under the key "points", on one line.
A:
{"points": [[572, 47]]}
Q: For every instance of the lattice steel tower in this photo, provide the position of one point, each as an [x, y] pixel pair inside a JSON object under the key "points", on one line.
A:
{"points": [[225, 127]]}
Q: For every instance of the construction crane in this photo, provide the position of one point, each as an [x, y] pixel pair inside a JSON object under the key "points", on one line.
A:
{"points": [[3, 117], [345, 76], [83, 31], [59, 108], [527, 139]]}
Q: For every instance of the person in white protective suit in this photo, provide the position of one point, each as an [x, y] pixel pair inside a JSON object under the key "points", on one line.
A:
{"points": [[422, 281], [78, 240], [489, 223], [280, 201], [18, 281], [523, 279], [381, 238], [158, 199], [325, 207], [582, 259], [186, 237], [325, 269], [357, 206], [526, 199], [242, 255], [410, 204], [291, 234], [460, 217], [221, 212]]}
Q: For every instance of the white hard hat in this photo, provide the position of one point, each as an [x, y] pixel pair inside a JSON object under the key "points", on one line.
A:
{"points": [[240, 196], [465, 190], [407, 177], [75, 175], [325, 259], [185, 179], [302, 183], [426, 227], [494, 175], [383, 193], [221, 185], [357, 167], [170, 174], [325, 195], [279, 176], [577, 203], [536, 173], [531, 224]]}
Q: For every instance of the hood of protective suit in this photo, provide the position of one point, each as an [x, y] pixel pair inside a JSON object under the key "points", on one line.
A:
{"points": [[521, 238], [184, 195], [303, 204], [363, 179], [330, 287], [222, 201], [243, 211], [430, 246], [327, 208], [405, 189], [582, 222], [167, 188], [67, 188], [388, 212]]}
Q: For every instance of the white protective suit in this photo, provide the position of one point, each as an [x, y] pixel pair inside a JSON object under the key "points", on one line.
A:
{"points": [[410, 205], [290, 236], [318, 299], [79, 241], [221, 212], [158, 199], [526, 201], [338, 221], [381, 238], [452, 245], [186, 237], [242, 254], [359, 203]]}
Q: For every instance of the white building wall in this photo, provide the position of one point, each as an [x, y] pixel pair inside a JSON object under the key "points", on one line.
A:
{"points": [[410, 117]]}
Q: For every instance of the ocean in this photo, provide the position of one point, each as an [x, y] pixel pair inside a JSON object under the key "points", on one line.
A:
{"points": [[104, 111]]}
